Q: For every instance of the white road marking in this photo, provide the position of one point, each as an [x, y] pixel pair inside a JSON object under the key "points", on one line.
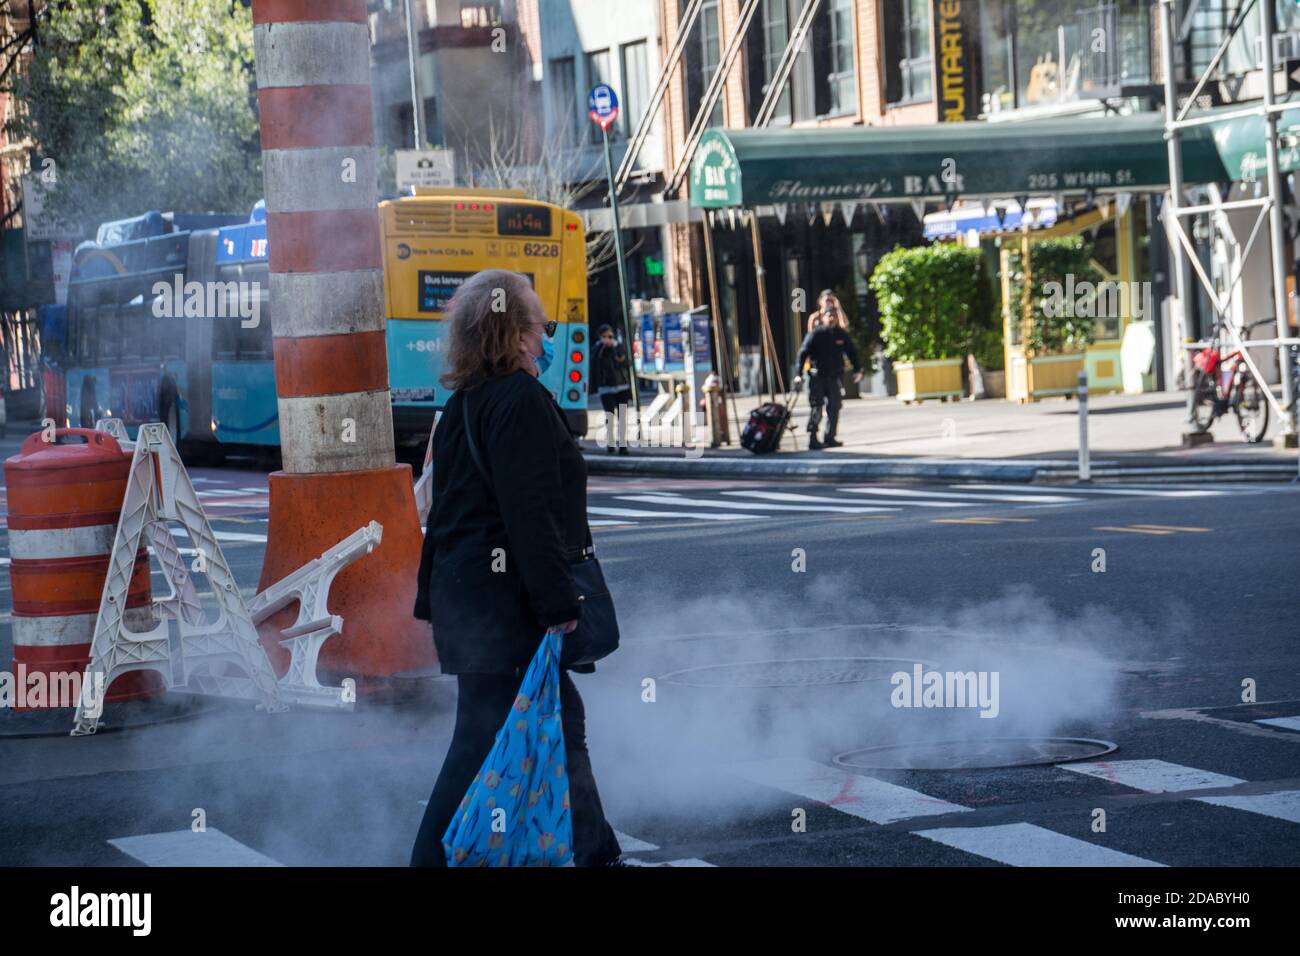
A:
{"points": [[1152, 776], [1286, 723], [187, 848], [631, 513], [1284, 805], [955, 496], [863, 797], [631, 844], [709, 503], [220, 491], [224, 536], [1023, 844], [789, 496], [1122, 492], [606, 524]]}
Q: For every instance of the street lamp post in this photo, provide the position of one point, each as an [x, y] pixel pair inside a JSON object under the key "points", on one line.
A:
{"points": [[602, 107]]}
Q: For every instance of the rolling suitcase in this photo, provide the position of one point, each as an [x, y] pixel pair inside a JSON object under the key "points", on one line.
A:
{"points": [[767, 424]]}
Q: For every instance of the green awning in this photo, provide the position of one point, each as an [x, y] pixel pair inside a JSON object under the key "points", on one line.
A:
{"points": [[747, 167]]}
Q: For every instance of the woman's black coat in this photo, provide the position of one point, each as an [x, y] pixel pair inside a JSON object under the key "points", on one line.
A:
{"points": [[494, 572], [608, 366]]}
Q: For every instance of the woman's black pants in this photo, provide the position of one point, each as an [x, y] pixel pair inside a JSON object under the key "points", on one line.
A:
{"points": [[482, 704]]}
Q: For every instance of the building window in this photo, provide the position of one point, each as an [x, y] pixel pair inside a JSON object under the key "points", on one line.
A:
{"points": [[843, 78], [909, 68], [564, 102], [702, 58], [636, 83], [765, 52], [598, 71]]}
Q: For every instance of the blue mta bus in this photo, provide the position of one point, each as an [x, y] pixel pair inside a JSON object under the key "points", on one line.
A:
{"points": [[160, 325]]}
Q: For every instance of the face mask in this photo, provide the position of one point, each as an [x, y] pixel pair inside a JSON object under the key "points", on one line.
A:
{"points": [[543, 361]]}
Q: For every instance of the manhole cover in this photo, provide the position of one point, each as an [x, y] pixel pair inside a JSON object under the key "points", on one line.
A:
{"points": [[800, 672], [976, 754]]}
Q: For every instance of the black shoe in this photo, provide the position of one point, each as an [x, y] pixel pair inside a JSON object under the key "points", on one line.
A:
{"points": [[609, 449], [814, 444], [832, 443], [623, 450]]}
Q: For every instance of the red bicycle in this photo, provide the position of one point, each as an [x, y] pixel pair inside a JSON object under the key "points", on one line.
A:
{"points": [[1222, 381]]}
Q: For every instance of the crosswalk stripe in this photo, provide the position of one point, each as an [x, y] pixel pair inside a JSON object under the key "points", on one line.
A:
{"points": [[1122, 492], [631, 844], [633, 513], [188, 848], [1024, 844], [225, 536], [959, 496], [1286, 723], [707, 503], [1283, 805], [863, 797], [1154, 531], [1152, 776], [982, 521], [789, 496]]}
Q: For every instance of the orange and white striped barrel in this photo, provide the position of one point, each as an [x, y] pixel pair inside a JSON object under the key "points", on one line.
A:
{"points": [[64, 503]]}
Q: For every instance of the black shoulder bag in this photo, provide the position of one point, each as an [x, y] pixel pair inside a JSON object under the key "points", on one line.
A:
{"points": [[596, 635]]}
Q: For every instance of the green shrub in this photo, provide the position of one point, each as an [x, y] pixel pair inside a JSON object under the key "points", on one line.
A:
{"points": [[933, 301], [1053, 261]]}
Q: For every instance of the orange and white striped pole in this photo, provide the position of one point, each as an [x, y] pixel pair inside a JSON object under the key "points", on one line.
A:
{"points": [[327, 308]]}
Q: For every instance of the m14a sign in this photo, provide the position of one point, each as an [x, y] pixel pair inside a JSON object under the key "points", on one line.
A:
{"points": [[957, 42]]}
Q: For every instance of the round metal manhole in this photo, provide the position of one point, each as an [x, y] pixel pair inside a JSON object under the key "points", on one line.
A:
{"points": [[987, 754], [799, 672]]}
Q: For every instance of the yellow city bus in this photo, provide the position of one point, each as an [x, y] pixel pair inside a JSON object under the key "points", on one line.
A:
{"points": [[438, 238]]}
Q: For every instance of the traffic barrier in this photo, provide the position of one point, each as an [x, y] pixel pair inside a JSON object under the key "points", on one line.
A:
{"points": [[64, 501]]}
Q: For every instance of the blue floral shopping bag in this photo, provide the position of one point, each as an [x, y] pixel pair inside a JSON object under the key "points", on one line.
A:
{"points": [[516, 812]]}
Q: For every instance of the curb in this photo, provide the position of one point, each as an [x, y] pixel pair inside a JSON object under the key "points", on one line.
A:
{"points": [[1026, 472]]}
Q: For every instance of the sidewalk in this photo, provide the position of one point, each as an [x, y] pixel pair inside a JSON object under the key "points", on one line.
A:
{"points": [[1135, 436]]}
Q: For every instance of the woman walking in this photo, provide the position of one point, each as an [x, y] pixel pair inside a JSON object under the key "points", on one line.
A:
{"points": [[609, 377], [495, 572]]}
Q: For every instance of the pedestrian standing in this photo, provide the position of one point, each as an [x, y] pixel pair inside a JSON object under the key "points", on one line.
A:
{"points": [[495, 571], [610, 378], [824, 350]]}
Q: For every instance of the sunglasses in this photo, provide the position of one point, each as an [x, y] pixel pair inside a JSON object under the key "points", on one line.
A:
{"points": [[550, 327]]}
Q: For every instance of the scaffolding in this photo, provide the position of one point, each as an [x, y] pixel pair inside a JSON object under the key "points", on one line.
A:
{"points": [[1268, 202]]}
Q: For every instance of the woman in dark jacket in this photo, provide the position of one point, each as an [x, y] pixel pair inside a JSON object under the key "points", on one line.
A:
{"points": [[609, 377], [494, 574]]}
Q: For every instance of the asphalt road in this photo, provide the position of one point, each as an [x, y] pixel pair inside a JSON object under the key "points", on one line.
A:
{"points": [[822, 592]]}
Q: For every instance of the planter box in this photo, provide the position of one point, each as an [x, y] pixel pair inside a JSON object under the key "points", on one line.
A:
{"points": [[1044, 376], [933, 378], [995, 384]]}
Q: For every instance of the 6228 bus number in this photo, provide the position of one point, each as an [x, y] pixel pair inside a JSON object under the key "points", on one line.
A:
{"points": [[543, 249]]}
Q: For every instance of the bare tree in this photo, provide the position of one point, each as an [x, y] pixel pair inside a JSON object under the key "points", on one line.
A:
{"points": [[555, 171]]}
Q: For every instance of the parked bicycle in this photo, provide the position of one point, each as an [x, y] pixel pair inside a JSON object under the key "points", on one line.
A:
{"points": [[1223, 381]]}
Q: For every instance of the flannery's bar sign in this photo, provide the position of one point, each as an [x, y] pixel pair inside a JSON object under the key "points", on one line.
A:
{"points": [[957, 32]]}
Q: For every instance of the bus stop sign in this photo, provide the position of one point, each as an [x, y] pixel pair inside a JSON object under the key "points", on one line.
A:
{"points": [[602, 106]]}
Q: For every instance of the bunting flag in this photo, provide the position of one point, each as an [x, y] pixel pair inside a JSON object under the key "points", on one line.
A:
{"points": [[848, 210], [782, 210]]}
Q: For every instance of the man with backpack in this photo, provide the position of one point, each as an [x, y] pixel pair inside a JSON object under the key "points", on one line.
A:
{"points": [[825, 348]]}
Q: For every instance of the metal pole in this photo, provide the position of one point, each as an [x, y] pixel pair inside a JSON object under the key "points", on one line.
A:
{"points": [[1085, 464], [411, 46], [720, 331], [1182, 278], [622, 268], [1276, 226]]}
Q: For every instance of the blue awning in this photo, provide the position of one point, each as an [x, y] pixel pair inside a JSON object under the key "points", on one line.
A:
{"points": [[962, 218]]}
